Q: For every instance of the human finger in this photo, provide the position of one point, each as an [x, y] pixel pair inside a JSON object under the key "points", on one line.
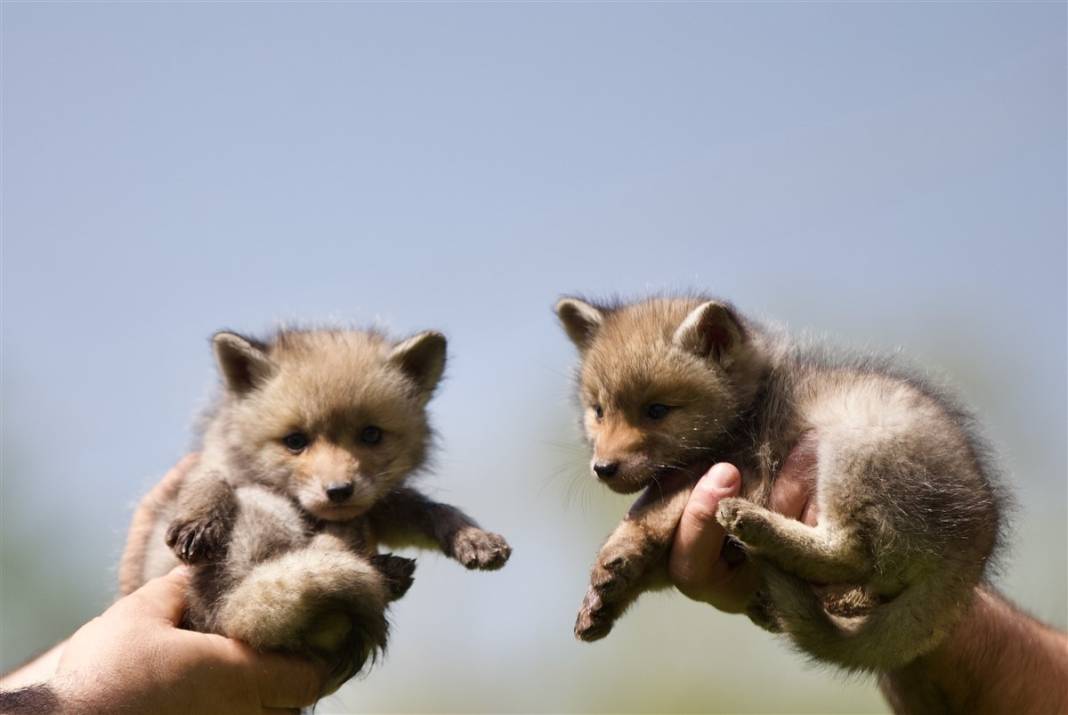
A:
{"points": [[285, 681], [694, 563], [131, 564], [162, 598]]}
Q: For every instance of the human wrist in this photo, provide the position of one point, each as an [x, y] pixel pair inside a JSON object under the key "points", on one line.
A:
{"points": [[939, 679], [31, 699], [996, 659], [38, 670]]}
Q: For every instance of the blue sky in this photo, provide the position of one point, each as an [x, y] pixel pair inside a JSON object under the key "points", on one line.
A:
{"points": [[889, 174]]}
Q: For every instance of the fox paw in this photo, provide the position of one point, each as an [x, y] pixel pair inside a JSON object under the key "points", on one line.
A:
{"points": [[345, 642], [613, 584], [595, 618], [197, 541], [399, 573], [618, 568], [742, 518], [478, 549]]}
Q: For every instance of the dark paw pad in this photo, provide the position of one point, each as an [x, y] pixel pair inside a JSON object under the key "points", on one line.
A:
{"points": [[399, 573], [733, 551], [197, 541]]}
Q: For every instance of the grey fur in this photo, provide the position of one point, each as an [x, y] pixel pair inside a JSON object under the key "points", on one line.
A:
{"points": [[276, 563]]}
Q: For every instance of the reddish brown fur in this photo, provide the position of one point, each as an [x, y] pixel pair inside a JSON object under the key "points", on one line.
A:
{"points": [[909, 511]]}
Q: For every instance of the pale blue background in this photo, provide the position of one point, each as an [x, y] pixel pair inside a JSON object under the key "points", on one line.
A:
{"points": [[893, 174]]}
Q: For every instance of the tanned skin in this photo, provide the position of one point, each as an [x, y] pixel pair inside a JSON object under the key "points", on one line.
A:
{"points": [[910, 510]]}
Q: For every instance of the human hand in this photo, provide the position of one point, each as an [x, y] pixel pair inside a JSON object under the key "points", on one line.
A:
{"points": [[143, 523], [134, 659], [697, 565]]}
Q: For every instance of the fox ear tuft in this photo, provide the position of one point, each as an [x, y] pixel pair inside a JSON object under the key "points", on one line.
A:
{"points": [[580, 319], [244, 363], [712, 330], [422, 358]]}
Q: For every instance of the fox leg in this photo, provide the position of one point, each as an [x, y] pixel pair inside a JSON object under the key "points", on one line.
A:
{"points": [[281, 588], [321, 602], [202, 518], [406, 517], [398, 571], [820, 554], [627, 564], [632, 560], [355, 536]]}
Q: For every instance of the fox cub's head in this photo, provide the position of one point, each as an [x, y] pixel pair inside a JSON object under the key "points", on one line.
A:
{"points": [[660, 381], [336, 418]]}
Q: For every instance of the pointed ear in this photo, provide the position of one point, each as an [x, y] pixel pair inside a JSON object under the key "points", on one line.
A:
{"points": [[711, 330], [422, 358], [243, 363], [580, 319]]}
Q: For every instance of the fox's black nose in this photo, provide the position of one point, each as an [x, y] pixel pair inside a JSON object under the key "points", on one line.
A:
{"points": [[604, 470], [339, 492]]}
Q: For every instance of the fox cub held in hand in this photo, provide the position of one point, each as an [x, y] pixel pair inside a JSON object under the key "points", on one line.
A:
{"points": [[300, 476], [909, 510]]}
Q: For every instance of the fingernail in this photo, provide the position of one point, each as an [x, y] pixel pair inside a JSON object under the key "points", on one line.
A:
{"points": [[709, 492], [724, 478]]}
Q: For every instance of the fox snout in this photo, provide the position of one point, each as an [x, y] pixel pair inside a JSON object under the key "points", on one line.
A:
{"points": [[619, 457], [339, 492], [621, 473], [605, 470], [331, 485], [332, 468], [336, 499]]}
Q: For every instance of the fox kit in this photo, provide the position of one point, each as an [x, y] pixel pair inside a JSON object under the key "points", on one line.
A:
{"points": [[909, 511], [300, 476]]}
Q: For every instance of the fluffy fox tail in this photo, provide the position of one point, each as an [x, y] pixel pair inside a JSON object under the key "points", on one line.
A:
{"points": [[891, 636], [324, 603]]}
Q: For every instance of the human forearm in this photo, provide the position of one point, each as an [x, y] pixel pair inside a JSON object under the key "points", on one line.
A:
{"points": [[37, 670], [996, 660]]}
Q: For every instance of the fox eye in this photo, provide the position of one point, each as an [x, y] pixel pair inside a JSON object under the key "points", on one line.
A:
{"points": [[371, 435], [657, 411], [296, 442], [599, 411]]}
